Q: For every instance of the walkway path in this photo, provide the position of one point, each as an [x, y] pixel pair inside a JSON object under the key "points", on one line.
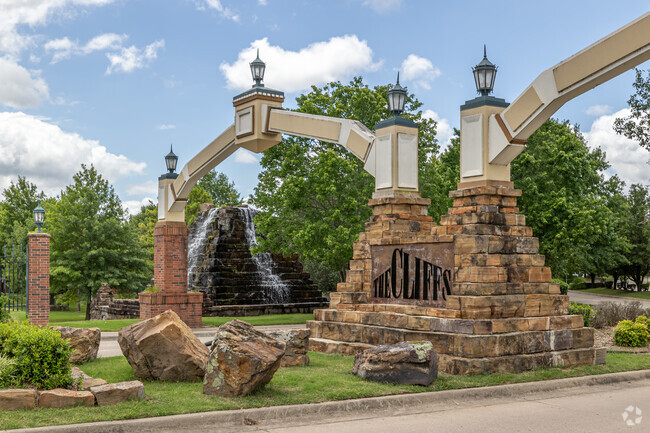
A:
{"points": [[108, 345], [593, 299]]}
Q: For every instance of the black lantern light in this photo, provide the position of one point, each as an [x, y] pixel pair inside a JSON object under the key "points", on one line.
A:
{"points": [[257, 70], [484, 74], [39, 217], [171, 160], [396, 98]]}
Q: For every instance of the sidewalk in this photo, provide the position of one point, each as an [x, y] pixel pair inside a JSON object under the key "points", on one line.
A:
{"points": [[593, 299]]}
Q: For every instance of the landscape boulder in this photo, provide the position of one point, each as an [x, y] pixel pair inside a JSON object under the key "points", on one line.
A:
{"points": [[14, 399], [297, 342], [83, 341], [412, 363], [164, 348], [114, 393], [86, 381], [62, 398], [241, 359]]}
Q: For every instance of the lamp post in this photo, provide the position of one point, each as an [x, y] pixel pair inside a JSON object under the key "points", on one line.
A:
{"points": [[171, 160], [39, 217], [257, 70], [484, 74], [396, 99]]}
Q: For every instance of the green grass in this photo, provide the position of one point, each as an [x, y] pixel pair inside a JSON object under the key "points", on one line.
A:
{"points": [[327, 378], [622, 293], [76, 320]]}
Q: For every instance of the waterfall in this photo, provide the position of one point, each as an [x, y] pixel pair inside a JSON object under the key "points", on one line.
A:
{"points": [[195, 245], [276, 291]]}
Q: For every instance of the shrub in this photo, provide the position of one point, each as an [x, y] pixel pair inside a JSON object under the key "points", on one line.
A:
{"points": [[631, 334], [644, 287], [644, 321], [586, 311], [610, 313], [41, 356], [578, 285], [564, 286], [7, 368], [4, 313]]}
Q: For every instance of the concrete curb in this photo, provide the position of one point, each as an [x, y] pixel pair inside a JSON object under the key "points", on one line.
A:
{"points": [[365, 407]]}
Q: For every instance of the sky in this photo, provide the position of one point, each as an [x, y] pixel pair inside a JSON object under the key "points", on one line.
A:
{"points": [[114, 83]]}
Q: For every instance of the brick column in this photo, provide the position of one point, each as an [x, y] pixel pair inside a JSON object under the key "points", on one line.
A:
{"points": [[170, 276], [39, 278]]}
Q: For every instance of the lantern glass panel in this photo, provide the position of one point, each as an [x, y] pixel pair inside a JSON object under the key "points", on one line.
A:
{"points": [[39, 217]]}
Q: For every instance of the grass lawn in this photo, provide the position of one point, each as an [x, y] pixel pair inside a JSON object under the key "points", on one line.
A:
{"points": [[622, 293], [327, 378], [76, 320]]}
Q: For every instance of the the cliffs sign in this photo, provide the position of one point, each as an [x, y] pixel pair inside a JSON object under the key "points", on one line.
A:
{"points": [[418, 274]]}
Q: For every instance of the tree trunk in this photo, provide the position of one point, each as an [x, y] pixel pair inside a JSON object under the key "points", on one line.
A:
{"points": [[78, 300], [615, 277], [87, 310], [593, 280]]}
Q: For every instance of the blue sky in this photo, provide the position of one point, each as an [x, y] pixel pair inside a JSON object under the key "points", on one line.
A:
{"points": [[115, 82]]}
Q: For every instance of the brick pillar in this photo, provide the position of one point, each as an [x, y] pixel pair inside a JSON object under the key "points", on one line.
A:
{"points": [[39, 278], [170, 276]]}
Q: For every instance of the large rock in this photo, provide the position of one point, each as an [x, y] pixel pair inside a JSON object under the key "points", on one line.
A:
{"points": [[241, 360], [164, 348], [83, 341], [114, 393], [14, 399], [297, 342], [85, 381], [412, 363], [62, 398]]}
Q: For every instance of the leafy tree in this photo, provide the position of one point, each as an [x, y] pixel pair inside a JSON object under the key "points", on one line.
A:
{"points": [[637, 125], [16, 218], [143, 224], [638, 233], [314, 194], [442, 175], [91, 242], [214, 187], [565, 198]]}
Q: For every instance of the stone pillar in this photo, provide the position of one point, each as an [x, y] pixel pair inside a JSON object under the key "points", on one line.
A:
{"points": [[39, 279], [170, 277]]}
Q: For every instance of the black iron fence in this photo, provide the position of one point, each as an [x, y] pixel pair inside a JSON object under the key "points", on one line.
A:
{"points": [[14, 270]]}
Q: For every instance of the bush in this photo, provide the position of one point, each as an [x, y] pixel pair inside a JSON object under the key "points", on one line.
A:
{"points": [[4, 313], [610, 313], [644, 321], [41, 356], [7, 368], [644, 287], [578, 285], [586, 311], [631, 334], [564, 286]]}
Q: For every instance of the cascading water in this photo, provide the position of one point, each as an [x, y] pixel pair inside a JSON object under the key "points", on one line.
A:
{"points": [[276, 291], [195, 244]]}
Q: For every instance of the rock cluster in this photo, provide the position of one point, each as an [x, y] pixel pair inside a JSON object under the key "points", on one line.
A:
{"points": [[105, 307], [164, 348], [241, 360], [297, 342], [412, 363], [83, 341]]}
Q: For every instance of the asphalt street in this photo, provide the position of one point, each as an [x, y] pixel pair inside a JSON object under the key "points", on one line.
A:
{"points": [[591, 299]]}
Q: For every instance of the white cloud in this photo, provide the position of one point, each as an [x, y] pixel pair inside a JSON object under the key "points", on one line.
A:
{"points": [[598, 110], [132, 207], [31, 13], [20, 88], [245, 157], [132, 58], [383, 6], [164, 127], [64, 48], [262, 2], [419, 70], [629, 160], [291, 71], [444, 131], [49, 156], [144, 188], [216, 5]]}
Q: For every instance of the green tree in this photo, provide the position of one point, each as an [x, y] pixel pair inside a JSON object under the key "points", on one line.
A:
{"points": [[564, 196], [143, 224], [314, 194], [638, 233], [91, 242], [442, 175], [214, 187], [16, 218], [637, 125]]}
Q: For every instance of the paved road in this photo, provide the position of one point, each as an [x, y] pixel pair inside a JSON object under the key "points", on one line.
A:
{"points": [[587, 409], [592, 299], [108, 345]]}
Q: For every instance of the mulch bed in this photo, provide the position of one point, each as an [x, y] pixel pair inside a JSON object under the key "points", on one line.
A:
{"points": [[604, 337]]}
